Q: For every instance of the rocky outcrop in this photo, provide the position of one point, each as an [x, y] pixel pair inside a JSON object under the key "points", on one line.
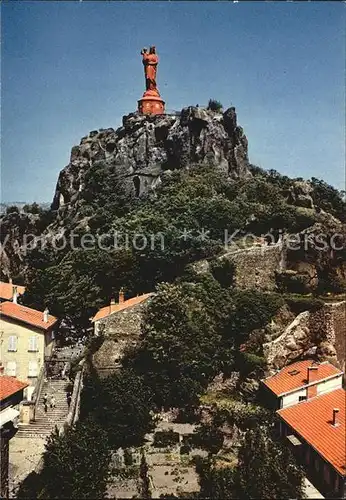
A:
{"points": [[16, 232], [300, 194], [320, 334], [145, 146], [317, 256]]}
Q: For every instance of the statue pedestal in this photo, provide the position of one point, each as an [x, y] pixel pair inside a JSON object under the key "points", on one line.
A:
{"points": [[151, 105]]}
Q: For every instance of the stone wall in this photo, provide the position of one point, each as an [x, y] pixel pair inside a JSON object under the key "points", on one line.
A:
{"points": [[124, 323], [255, 267], [320, 334]]}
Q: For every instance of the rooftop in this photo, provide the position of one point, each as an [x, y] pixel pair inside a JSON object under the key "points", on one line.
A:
{"points": [[9, 386], [6, 290], [26, 315], [312, 420], [114, 308], [294, 376]]}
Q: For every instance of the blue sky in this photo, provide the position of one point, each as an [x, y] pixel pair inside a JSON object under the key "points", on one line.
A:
{"points": [[72, 67]]}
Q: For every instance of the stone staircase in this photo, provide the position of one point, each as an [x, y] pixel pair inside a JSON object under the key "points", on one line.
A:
{"points": [[46, 422]]}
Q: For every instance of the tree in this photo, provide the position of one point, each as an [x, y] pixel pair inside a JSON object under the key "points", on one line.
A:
{"points": [[12, 209], [178, 354], [73, 467], [214, 105], [266, 469], [34, 208], [214, 482], [223, 271], [143, 473], [251, 310], [210, 437], [328, 198], [122, 404], [76, 286]]}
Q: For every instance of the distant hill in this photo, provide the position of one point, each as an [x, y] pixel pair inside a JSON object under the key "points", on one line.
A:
{"points": [[20, 205]]}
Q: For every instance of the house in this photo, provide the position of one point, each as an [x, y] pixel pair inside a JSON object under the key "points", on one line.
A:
{"points": [[315, 430], [120, 324], [26, 338], [9, 291], [300, 381], [11, 395], [310, 403]]}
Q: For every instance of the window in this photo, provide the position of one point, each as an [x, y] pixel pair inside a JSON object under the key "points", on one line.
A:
{"points": [[302, 398], [11, 368], [33, 369], [12, 343], [33, 344]]}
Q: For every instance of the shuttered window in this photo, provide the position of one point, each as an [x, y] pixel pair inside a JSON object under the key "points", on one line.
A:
{"points": [[11, 368], [33, 369], [33, 344], [12, 343]]}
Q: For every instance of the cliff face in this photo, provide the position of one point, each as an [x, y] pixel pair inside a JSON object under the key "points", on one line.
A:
{"points": [[145, 146], [321, 333], [16, 230]]}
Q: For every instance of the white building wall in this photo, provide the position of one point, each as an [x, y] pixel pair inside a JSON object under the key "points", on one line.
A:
{"points": [[322, 388], [292, 398], [329, 385]]}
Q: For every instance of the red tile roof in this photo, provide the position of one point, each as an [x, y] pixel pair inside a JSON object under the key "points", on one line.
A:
{"points": [[26, 315], [294, 376], [6, 290], [312, 419], [9, 386], [106, 311]]}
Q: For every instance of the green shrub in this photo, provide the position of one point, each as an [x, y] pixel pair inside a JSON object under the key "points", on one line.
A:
{"points": [[223, 271], [185, 449], [292, 282], [214, 105], [128, 459], [13, 209], [298, 303], [165, 438], [251, 363]]}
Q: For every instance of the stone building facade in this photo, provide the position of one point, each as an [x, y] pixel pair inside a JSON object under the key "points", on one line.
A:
{"points": [[120, 324]]}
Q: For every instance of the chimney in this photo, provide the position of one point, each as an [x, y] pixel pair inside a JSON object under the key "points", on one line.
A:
{"points": [[45, 315], [312, 376], [2, 370], [335, 421], [112, 305], [14, 294], [10, 281], [121, 296]]}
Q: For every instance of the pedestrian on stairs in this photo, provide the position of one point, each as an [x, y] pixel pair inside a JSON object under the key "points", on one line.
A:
{"points": [[68, 398], [45, 399], [45, 407], [52, 402]]}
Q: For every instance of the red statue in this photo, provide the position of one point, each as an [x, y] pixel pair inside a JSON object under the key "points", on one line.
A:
{"points": [[151, 102], [150, 62]]}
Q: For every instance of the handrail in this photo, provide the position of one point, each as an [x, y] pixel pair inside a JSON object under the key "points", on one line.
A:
{"points": [[35, 398], [73, 413]]}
